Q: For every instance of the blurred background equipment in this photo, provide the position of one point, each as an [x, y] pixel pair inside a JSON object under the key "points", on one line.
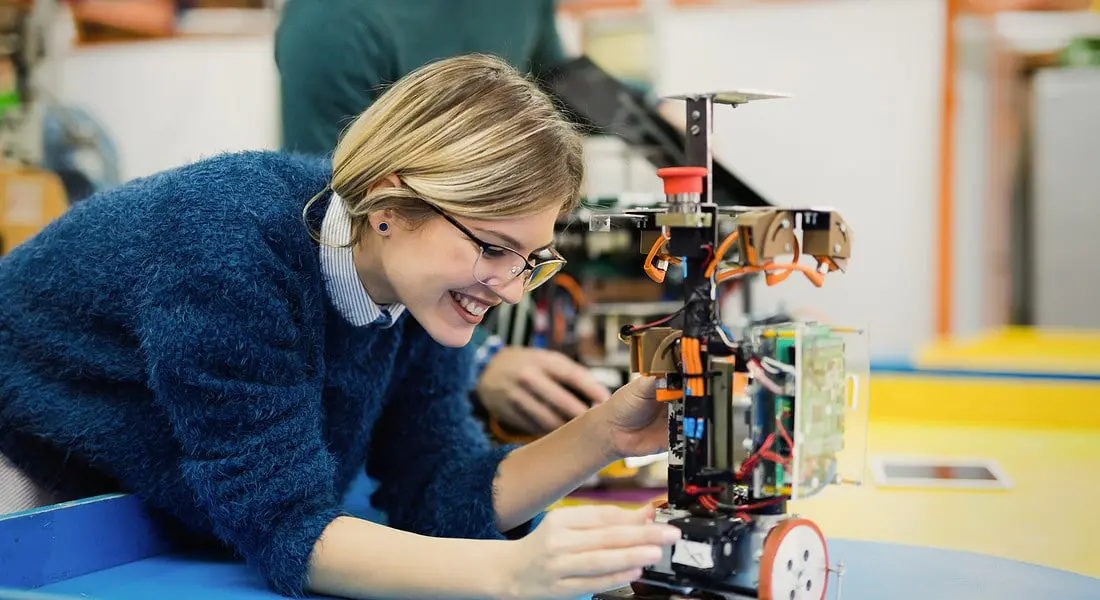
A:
{"points": [[30, 196], [53, 154]]}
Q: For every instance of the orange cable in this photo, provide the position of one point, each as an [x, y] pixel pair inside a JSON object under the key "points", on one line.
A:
{"points": [[818, 279], [720, 252]]}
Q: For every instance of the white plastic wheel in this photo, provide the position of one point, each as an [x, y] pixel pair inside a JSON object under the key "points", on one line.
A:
{"points": [[795, 562]]}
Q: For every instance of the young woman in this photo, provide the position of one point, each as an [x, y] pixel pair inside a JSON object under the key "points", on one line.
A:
{"points": [[235, 339]]}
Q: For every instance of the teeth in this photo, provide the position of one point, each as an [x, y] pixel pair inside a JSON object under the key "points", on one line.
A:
{"points": [[472, 306]]}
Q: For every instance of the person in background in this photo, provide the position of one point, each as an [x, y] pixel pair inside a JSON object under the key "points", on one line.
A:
{"points": [[336, 56]]}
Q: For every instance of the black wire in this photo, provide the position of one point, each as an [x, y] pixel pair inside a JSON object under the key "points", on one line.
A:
{"points": [[628, 330]]}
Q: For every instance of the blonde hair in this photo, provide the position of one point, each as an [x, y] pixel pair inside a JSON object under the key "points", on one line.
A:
{"points": [[469, 134]]}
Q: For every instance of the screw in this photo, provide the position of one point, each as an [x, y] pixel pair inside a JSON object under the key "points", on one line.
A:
{"points": [[785, 223], [836, 248], [695, 115], [842, 228], [694, 130]]}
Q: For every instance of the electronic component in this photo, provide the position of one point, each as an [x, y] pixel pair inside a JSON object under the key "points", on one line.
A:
{"points": [[759, 414]]}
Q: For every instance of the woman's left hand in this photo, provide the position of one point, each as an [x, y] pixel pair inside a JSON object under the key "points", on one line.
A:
{"points": [[633, 421]]}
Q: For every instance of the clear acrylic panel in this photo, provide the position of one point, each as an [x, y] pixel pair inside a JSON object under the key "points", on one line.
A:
{"points": [[831, 410]]}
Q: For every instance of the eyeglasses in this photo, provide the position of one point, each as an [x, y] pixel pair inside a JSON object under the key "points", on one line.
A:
{"points": [[498, 265]]}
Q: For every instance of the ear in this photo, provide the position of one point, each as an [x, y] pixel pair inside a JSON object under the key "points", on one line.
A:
{"points": [[389, 181], [382, 222]]}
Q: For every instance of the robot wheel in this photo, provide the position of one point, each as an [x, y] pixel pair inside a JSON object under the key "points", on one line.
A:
{"points": [[795, 562]]}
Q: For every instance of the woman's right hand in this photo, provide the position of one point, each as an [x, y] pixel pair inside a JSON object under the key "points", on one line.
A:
{"points": [[578, 551]]}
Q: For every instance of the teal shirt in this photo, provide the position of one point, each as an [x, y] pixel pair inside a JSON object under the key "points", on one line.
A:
{"points": [[335, 56]]}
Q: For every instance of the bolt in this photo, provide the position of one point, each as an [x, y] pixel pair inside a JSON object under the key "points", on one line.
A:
{"points": [[695, 115], [842, 228], [785, 224]]}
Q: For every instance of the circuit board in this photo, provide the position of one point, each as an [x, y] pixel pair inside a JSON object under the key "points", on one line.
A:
{"points": [[822, 392]]}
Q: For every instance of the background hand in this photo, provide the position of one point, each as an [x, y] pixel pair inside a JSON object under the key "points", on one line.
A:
{"points": [[528, 389], [578, 551], [636, 424]]}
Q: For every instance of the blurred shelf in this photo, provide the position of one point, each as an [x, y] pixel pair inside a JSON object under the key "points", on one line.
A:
{"points": [[198, 24], [634, 309], [1042, 33]]}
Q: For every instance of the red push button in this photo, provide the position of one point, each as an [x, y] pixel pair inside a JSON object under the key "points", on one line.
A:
{"points": [[683, 180]]}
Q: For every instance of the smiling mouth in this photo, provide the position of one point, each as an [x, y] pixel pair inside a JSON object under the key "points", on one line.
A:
{"points": [[472, 305]]}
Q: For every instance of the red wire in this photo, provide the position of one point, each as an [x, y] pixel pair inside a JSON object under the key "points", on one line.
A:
{"points": [[654, 323], [744, 507], [783, 432]]}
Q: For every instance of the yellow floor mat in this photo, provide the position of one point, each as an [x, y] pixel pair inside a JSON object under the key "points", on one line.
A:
{"points": [[1018, 349]]}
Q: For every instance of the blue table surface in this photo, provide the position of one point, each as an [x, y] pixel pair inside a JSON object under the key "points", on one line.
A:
{"points": [[872, 571], [106, 549]]}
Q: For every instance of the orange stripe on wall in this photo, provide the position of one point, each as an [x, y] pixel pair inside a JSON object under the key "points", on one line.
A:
{"points": [[944, 293]]}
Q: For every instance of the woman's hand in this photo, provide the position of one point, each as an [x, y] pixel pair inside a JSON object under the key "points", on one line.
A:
{"points": [[632, 421], [579, 551]]}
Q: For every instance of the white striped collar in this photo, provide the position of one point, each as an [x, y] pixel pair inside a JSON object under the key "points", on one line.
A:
{"points": [[341, 281]]}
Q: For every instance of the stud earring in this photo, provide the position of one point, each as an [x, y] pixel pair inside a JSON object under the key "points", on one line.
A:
{"points": [[383, 227]]}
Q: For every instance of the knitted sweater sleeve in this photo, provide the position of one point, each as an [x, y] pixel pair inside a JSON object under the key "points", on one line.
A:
{"points": [[234, 361], [433, 461]]}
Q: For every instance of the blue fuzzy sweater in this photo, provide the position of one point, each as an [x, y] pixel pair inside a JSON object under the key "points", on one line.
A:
{"points": [[173, 338]]}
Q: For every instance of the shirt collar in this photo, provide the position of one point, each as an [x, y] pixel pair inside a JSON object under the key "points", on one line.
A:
{"points": [[341, 280]]}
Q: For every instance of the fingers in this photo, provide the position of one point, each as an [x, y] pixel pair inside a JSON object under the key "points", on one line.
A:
{"points": [[538, 413], [620, 537], [596, 548], [603, 562], [553, 394], [649, 512], [513, 417], [578, 377], [643, 387], [595, 516], [583, 586]]}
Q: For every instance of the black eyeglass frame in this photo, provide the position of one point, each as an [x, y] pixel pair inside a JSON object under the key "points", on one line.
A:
{"points": [[557, 259]]}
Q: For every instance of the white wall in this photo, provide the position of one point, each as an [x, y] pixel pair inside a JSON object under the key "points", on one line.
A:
{"points": [[1065, 188], [166, 103], [861, 135]]}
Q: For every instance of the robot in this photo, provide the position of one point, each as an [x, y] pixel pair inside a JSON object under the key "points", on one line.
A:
{"points": [[758, 417]]}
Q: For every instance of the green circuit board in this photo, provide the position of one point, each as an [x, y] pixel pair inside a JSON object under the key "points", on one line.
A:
{"points": [[820, 406]]}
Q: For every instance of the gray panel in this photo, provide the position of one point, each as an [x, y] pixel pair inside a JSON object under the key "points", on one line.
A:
{"points": [[1066, 198]]}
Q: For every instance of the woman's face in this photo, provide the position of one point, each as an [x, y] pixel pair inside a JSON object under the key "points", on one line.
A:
{"points": [[444, 277]]}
